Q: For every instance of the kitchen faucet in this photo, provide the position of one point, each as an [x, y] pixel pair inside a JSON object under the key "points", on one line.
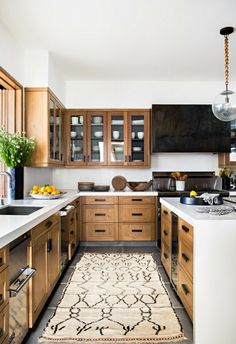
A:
{"points": [[7, 174]]}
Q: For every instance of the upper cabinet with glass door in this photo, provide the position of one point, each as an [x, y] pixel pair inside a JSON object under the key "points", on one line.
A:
{"points": [[85, 139], [229, 159], [44, 121], [117, 148]]}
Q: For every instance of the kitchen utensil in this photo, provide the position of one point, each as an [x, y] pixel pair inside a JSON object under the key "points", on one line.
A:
{"points": [[115, 134], [119, 183], [139, 186], [101, 188], [97, 119], [140, 135], [85, 186], [98, 134]]}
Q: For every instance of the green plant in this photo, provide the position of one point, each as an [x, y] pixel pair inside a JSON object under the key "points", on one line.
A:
{"points": [[15, 148]]}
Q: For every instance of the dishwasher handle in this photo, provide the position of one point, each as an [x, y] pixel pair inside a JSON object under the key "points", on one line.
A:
{"points": [[65, 211], [20, 283]]}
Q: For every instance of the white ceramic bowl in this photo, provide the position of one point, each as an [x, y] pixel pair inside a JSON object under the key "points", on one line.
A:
{"points": [[133, 134], [95, 148], [115, 134], [140, 135], [137, 149], [98, 134], [119, 149], [73, 134], [97, 119]]}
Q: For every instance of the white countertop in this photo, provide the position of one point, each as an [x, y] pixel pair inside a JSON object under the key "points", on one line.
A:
{"points": [[12, 226], [189, 214]]}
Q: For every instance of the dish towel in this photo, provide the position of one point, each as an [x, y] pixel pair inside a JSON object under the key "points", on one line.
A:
{"points": [[210, 198]]}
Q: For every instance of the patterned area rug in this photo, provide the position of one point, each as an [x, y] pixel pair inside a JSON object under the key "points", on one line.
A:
{"points": [[114, 298]]}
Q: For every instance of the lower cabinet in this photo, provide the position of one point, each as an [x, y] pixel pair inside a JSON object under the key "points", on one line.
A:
{"points": [[184, 278], [4, 295], [69, 232], [113, 218], [44, 256]]}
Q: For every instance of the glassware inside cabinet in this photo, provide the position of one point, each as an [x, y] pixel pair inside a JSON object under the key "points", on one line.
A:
{"points": [[117, 138], [58, 153], [97, 137], [77, 137], [137, 138], [51, 128]]}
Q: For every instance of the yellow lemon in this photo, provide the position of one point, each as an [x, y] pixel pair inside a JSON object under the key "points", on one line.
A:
{"points": [[193, 193]]}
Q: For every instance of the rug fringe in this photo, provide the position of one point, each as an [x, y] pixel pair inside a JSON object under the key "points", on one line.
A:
{"points": [[168, 339]]}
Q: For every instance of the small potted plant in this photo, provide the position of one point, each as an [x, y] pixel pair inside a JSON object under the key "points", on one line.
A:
{"points": [[180, 179], [225, 174], [15, 152]]}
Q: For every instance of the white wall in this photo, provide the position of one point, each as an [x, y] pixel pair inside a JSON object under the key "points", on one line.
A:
{"points": [[36, 68], [39, 176], [55, 78], [129, 94], [11, 57]]}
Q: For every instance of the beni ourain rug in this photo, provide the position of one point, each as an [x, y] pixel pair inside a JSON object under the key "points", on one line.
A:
{"points": [[114, 298]]}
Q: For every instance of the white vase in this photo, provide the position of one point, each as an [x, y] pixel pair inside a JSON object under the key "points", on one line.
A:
{"points": [[180, 185]]}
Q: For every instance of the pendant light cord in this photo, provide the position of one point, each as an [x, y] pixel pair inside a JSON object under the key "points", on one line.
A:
{"points": [[226, 53]]}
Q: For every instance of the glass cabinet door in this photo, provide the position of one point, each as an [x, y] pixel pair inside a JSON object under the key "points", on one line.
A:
{"points": [[96, 138], [51, 129], [138, 140], [116, 138], [58, 134], [76, 138]]}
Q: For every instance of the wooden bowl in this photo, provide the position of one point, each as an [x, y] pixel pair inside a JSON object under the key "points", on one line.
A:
{"points": [[85, 186], [139, 186], [119, 183]]}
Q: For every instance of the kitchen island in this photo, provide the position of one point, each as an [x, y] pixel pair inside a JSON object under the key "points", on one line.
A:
{"points": [[214, 272]]}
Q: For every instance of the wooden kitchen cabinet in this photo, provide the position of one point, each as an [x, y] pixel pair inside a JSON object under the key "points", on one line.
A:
{"points": [[43, 112], [185, 261], [69, 232], [44, 256], [99, 218], [4, 294], [137, 218], [107, 138], [166, 239]]}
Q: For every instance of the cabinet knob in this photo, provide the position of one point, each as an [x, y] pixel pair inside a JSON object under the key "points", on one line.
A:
{"points": [[48, 224], [1, 261], [165, 255], [165, 232], [185, 289], [186, 258], [186, 229]]}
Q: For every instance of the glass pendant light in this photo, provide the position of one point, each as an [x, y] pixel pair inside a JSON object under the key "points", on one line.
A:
{"points": [[224, 106]]}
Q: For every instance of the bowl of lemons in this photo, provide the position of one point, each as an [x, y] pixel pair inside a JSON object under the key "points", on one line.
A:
{"points": [[46, 191]]}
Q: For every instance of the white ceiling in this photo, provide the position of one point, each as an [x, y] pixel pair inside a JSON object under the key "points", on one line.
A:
{"points": [[127, 39]]}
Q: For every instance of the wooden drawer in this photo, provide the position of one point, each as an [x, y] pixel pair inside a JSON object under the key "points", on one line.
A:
{"points": [[166, 232], [185, 291], [76, 202], [68, 226], [186, 257], [166, 257], [165, 213], [4, 288], [100, 231], [99, 200], [185, 232], [137, 213], [4, 258], [137, 200], [102, 213], [44, 226], [4, 324], [137, 231]]}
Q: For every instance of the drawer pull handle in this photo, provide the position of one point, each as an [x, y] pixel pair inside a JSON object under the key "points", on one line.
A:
{"points": [[49, 245], [1, 332], [137, 230], [1, 299], [186, 258], [137, 199], [186, 229], [137, 214], [100, 214], [185, 289], [100, 230], [72, 220], [165, 255], [1, 261], [72, 232], [165, 232], [48, 224], [165, 212], [99, 200]]}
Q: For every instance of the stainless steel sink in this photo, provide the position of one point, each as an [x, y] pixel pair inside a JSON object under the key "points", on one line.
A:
{"points": [[18, 210]]}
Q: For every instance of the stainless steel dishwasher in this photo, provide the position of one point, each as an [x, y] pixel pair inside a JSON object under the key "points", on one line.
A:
{"points": [[19, 274]]}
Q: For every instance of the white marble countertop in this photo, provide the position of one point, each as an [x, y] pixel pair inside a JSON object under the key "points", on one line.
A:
{"points": [[189, 214], [12, 226]]}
